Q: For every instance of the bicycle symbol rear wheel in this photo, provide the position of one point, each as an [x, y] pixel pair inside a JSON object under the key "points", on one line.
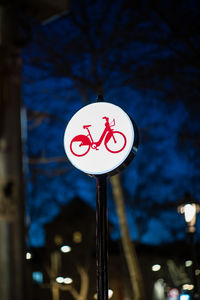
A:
{"points": [[80, 145], [115, 142]]}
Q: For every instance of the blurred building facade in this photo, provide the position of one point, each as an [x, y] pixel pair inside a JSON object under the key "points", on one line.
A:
{"points": [[164, 268]]}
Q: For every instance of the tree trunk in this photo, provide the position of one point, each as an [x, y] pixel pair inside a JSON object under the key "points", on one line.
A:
{"points": [[128, 246]]}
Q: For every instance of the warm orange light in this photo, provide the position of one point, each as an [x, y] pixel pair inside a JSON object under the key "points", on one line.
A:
{"points": [[77, 237], [188, 287]]}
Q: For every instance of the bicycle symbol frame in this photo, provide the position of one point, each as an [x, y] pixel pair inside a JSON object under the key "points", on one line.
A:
{"points": [[114, 142]]}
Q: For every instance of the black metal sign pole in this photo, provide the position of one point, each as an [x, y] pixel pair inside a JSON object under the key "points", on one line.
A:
{"points": [[129, 146], [101, 238]]}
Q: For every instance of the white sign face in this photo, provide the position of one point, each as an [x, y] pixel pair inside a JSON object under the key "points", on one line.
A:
{"points": [[99, 138]]}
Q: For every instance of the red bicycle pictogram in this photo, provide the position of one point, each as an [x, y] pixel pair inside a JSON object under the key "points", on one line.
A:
{"points": [[115, 141]]}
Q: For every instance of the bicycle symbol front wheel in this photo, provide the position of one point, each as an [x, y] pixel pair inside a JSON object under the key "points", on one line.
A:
{"points": [[80, 145], [115, 142]]}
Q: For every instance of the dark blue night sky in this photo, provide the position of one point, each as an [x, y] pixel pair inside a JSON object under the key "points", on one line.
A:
{"points": [[128, 54]]}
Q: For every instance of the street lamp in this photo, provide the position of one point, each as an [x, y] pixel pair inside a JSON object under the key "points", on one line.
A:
{"points": [[190, 208]]}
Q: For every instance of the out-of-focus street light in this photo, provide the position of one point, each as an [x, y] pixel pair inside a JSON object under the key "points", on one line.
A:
{"points": [[65, 249], [28, 255], [190, 208], [65, 280], [156, 267]]}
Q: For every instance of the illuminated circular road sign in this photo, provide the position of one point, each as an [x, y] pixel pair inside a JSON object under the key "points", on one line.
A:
{"points": [[100, 139]]}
